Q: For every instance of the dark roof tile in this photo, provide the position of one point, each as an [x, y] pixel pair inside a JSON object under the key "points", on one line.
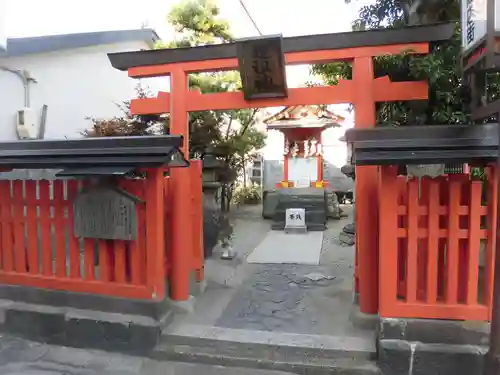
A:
{"points": [[49, 43]]}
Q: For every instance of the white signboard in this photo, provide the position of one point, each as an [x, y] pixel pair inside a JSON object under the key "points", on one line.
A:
{"points": [[473, 22], [295, 218]]}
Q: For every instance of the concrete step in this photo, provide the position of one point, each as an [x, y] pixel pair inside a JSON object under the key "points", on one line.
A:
{"points": [[298, 353]]}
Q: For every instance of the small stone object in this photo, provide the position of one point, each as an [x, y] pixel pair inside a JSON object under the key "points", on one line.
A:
{"points": [[350, 229], [317, 276], [295, 220], [227, 253], [346, 239]]}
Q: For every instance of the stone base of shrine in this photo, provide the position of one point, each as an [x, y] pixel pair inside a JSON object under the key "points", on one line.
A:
{"points": [[312, 200], [422, 346], [83, 320]]}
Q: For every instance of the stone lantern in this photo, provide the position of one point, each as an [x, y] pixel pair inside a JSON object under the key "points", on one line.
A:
{"points": [[211, 203]]}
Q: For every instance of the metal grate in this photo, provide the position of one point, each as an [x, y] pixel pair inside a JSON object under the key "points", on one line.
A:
{"points": [[457, 168]]}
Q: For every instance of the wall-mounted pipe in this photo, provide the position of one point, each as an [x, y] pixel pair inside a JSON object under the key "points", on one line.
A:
{"points": [[43, 122], [26, 79]]}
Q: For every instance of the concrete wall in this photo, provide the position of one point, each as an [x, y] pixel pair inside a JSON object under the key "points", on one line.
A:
{"points": [[75, 84]]}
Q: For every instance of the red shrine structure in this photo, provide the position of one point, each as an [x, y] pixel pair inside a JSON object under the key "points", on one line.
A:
{"points": [[256, 60], [302, 127]]}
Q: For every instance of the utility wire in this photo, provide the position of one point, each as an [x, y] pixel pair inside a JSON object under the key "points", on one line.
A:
{"points": [[250, 17]]}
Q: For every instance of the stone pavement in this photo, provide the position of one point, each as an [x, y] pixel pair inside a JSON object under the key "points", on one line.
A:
{"points": [[286, 298], [22, 357], [282, 297]]}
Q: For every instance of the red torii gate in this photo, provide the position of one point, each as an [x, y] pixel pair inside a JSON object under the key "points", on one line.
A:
{"points": [[363, 91]]}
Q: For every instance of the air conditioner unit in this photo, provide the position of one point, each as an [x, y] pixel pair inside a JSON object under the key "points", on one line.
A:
{"points": [[26, 124]]}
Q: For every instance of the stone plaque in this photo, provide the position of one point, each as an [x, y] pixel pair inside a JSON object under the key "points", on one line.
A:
{"points": [[295, 217], [105, 213]]}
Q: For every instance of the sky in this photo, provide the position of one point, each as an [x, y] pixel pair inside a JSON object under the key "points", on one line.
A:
{"points": [[24, 18], [290, 17]]}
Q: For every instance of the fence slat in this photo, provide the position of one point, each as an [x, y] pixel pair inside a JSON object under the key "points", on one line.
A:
{"points": [[120, 264], [32, 230], [7, 227], [474, 242], [433, 241], [422, 244], [59, 228], [155, 235], [104, 260], [45, 228], [19, 236], [74, 246], [452, 250], [89, 254], [388, 243], [412, 254]]}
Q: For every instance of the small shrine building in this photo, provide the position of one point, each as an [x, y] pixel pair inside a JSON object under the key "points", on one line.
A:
{"points": [[303, 127]]}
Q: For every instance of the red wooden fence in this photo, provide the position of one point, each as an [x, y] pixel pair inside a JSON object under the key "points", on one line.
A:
{"points": [[38, 247], [431, 236]]}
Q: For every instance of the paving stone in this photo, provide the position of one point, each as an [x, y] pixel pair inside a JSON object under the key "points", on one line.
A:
{"points": [[277, 296], [22, 357]]}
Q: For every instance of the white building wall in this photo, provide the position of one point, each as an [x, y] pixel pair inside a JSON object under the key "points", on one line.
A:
{"points": [[3, 25], [74, 84]]}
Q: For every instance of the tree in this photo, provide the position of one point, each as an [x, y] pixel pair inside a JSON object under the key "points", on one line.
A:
{"points": [[230, 135], [128, 124], [448, 96]]}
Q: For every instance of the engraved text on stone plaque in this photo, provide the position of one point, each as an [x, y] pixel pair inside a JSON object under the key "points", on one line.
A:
{"points": [[104, 213]]}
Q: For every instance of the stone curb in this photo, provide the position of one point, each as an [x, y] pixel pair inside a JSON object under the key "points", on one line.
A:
{"points": [[397, 357], [82, 328]]}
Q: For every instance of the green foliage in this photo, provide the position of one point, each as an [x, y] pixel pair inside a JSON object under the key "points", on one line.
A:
{"points": [[247, 195], [478, 173], [197, 23], [448, 96]]}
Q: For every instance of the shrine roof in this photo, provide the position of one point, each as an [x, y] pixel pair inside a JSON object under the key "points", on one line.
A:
{"points": [[304, 116], [353, 39]]}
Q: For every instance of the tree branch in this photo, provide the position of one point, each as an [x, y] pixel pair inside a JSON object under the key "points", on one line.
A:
{"points": [[245, 127]]}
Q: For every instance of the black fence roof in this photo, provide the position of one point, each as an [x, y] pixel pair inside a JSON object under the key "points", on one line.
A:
{"points": [[133, 152], [431, 144]]}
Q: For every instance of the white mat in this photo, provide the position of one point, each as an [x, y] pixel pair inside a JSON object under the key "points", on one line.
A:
{"points": [[279, 247]]}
